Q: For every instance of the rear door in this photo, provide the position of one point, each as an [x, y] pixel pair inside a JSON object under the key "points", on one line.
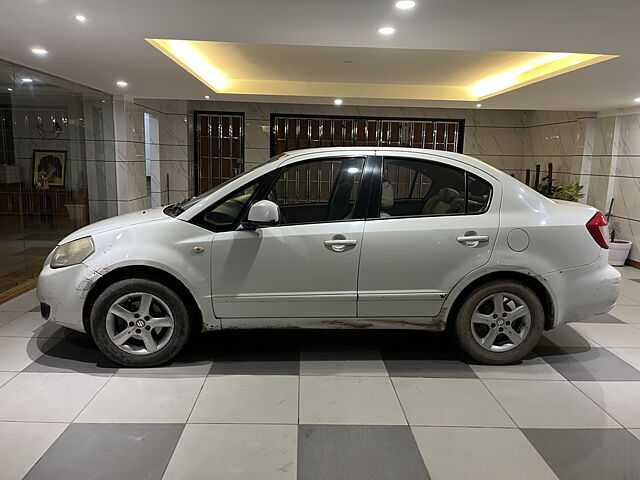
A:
{"points": [[431, 222]]}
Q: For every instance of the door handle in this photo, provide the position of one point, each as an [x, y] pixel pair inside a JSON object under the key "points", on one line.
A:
{"points": [[346, 241], [340, 243], [473, 240]]}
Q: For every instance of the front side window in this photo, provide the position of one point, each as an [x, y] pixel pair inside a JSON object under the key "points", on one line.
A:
{"points": [[226, 213], [415, 188], [318, 191]]}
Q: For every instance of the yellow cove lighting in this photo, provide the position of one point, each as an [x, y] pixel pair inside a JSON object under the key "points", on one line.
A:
{"points": [[186, 54], [545, 66], [252, 69]]}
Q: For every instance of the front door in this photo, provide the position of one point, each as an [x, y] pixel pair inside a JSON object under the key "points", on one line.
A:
{"points": [[434, 224], [307, 266]]}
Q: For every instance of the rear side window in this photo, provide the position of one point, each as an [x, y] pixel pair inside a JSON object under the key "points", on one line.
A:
{"points": [[421, 188]]}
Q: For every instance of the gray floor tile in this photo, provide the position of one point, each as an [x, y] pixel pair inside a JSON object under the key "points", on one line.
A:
{"points": [[604, 318], [588, 454], [359, 363], [18, 353], [628, 314], [366, 452], [453, 453], [610, 335], [97, 452], [587, 365], [75, 353], [241, 452], [6, 317], [531, 368], [32, 325], [631, 355], [22, 444]]}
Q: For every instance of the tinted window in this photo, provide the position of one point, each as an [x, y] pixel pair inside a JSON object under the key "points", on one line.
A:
{"points": [[318, 191], [413, 188]]}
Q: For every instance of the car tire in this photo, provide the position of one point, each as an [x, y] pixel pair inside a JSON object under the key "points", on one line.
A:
{"points": [[482, 324], [119, 315]]}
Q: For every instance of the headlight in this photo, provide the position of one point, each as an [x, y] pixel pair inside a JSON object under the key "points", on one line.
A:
{"points": [[72, 253]]}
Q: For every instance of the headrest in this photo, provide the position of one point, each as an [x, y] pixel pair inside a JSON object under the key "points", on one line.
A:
{"points": [[386, 202], [448, 194]]}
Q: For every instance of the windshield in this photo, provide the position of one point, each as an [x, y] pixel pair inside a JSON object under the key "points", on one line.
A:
{"points": [[184, 205]]}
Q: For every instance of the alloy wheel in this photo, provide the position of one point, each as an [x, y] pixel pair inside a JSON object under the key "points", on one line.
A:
{"points": [[139, 323], [500, 322]]}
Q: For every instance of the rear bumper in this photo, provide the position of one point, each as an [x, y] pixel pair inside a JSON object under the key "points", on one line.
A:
{"points": [[580, 293]]}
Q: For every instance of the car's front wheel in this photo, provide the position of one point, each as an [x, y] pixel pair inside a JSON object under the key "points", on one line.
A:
{"points": [[500, 322], [139, 323]]}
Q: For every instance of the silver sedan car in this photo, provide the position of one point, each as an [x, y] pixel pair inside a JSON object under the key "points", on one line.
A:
{"points": [[383, 238]]}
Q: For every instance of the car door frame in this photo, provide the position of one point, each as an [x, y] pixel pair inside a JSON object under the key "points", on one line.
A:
{"points": [[266, 183], [494, 208]]}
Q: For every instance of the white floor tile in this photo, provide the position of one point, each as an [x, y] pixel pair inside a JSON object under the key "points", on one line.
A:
{"points": [[541, 404], [47, 397], [621, 400], [247, 399], [635, 432], [610, 334], [6, 376], [143, 399], [32, 324], [23, 303], [531, 369], [6, 317], [349, 400], [566, 336], [22, 444], [357, 363], [449, 402], [18, 353], [480, 453], [242, 452]]}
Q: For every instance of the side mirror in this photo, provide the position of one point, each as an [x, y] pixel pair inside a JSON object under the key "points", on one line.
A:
{"points": [[264, 214]]}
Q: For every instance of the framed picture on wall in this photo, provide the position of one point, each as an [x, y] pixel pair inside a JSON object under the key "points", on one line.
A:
{"points": [[49, 166]]}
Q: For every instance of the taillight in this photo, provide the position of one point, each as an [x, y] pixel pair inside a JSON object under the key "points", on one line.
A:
{"points": [[594, 225]]}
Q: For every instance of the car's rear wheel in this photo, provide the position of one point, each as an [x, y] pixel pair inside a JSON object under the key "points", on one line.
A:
{"points": [[139, 323], [500, 322]]}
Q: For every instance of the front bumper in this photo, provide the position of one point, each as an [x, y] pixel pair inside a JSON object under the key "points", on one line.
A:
{"points": [[583, 292], [62, 292]]}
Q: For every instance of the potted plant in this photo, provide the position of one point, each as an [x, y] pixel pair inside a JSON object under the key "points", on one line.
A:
{"points": [[618, 249]]}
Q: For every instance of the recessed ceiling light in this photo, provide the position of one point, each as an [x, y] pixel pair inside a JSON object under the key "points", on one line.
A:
{"points": [[81, 18], [121, 83], [338, 101], [637, 99], [39, 51], [27, 80], [207, 97], [103, 101], [10, 89], [386, 30], [405, 4], [478, 105]]}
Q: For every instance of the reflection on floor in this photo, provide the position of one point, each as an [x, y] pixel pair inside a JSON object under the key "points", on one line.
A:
{"points": [[323, 405]]}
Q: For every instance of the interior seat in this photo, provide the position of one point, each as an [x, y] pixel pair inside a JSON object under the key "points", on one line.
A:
{"points": [[387, 199], [447, 200]]}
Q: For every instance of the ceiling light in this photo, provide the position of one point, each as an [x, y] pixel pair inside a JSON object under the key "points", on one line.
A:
{"points": [[10, 89], [121, 83], [478, 105], [81, 18], [637, 99], [338, 101], [27, 80], [39, 51], [386, 30], [405, 4], [207, 97]]}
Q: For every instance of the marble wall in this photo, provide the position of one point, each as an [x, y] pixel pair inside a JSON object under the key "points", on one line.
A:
{"points": [[601, 152]]}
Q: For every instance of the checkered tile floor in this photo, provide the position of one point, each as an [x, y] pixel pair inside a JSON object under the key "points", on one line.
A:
{"points": [[323, 405]]}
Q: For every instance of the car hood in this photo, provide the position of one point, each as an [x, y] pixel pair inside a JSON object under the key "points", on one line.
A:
{"points": [[133, 218]]}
